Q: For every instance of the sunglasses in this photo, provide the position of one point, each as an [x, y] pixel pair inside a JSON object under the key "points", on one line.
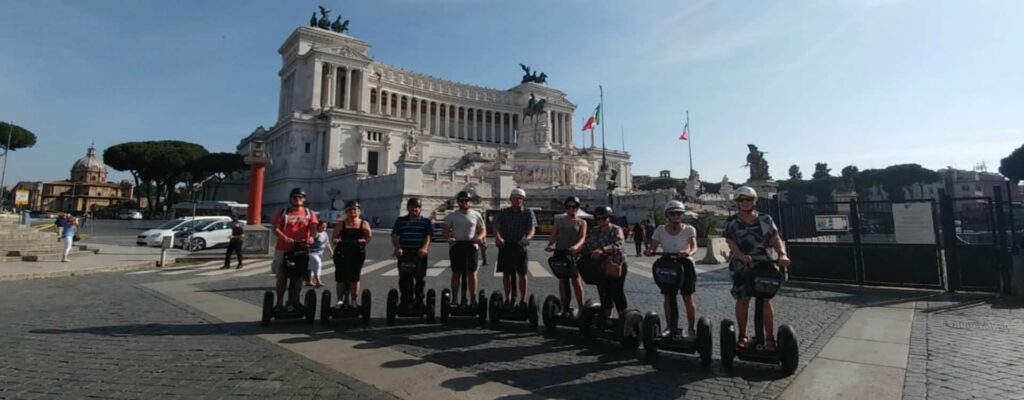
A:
{"points": [[298, 197], [572, 207], [744, 199], [675, 214], [600, 218], [463, 200]]}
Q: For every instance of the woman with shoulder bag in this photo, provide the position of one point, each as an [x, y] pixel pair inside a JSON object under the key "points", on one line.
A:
{"points": [[605, 245]]}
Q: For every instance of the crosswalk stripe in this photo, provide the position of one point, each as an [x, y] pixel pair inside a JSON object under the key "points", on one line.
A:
{"points": [[250, 269], [537, 270], [185, 271], [640, 268], [186, 267], [326, 271], [261, 267], [373, 267], [391, 272], [436, 271], [443, 263]]}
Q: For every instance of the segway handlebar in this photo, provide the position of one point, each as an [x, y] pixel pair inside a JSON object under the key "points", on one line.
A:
{"points": [[665, 254], [773, 261]]}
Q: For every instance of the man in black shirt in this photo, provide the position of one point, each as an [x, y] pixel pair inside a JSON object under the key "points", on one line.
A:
{"points": [[234, 244]]}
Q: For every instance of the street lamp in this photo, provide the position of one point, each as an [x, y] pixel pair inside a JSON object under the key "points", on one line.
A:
{"points": [[192, 228]]}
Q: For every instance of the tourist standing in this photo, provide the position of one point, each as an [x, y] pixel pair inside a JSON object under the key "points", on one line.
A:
{"points": [[605, 245], [410, 237], [293, 226], [514, 227], [350, 237], [567, 238], [464, 229]]}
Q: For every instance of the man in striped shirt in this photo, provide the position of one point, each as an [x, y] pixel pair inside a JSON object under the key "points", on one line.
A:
{"points": [[411, 235]]}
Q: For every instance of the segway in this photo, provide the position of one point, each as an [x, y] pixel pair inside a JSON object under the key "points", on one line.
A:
{"points": [[296, 267], [407, 264], [464, 308], [513, 310], [554, 313], [626, 329], [346, 309], [669, 274], [764, 280]]}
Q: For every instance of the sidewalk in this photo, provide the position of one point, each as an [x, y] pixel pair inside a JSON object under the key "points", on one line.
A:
{"points": [[109, 259]]}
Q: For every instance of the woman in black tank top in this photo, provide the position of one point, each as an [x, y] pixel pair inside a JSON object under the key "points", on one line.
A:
{"points": [[350, 237]]}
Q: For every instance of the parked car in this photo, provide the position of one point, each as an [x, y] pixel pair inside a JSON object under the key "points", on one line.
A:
{"points": [[207, 235], [438, 233], [331, 216], [134, 215], [154, 237]]}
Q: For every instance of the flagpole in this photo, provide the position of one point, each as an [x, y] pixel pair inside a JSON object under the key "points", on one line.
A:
{"points": [[689, 140], [604, 160], [622, 135]]}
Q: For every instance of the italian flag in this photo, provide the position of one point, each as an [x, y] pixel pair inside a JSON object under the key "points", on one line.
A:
{"points": [[595, 119]]}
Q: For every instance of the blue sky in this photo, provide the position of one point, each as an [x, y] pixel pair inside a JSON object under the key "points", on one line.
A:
{"points": [[864, 82]]}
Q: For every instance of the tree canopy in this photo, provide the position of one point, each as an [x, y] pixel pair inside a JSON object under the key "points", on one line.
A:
{"points": [[794, 172], [821, 170], [1012, 166], [20, 137], [159, 166]]}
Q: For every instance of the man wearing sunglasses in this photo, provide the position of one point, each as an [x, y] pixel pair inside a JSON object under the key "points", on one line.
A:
{"points": [[293, 225], [749, 233], [464, 229]]}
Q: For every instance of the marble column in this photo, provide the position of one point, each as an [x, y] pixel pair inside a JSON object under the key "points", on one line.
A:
{"points": [[348, 88], [383, 101], [318, 85]]}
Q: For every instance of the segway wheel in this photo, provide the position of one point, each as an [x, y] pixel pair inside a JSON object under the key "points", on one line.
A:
{"points": [[727, 343], [495, 309], [431, 312], [532, 310], [789, 348], [446, 301], [587, 317], [481, 303], [310, 305], [651, 330], [704, 341], [630, 335], [392, 306], [552, 307], [268, 308], [325, 308], [367, 300]]}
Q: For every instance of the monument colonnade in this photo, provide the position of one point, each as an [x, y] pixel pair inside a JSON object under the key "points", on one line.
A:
{"points": [[342, 88]]}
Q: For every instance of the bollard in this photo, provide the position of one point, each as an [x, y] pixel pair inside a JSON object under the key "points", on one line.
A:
{"points": [[164, 245], [26, 219]]}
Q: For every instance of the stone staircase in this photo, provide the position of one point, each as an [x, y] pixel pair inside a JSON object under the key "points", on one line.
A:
{"points": [[18, 243]]}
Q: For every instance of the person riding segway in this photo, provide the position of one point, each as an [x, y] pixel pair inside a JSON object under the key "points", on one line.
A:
{"points": [[350, 237], [674, 273], [566, 241], [514, 227], [410, 237], [606, 258], [754, 274], [464, 230], [294, 228]]}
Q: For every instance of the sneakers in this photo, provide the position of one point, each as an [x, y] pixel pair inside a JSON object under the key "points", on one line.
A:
{"points": [[691, 335], [225, 267]]}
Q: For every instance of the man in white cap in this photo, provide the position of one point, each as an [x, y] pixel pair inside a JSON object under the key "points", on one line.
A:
{"points": [[513, 228]]}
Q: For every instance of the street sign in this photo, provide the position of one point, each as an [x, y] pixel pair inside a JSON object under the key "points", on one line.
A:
{"points": [[832, 223], [21, 197]]}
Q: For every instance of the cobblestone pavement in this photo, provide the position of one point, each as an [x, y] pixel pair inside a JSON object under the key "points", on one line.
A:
{"points": [[104, 337], [563, 366], [966, 347]]}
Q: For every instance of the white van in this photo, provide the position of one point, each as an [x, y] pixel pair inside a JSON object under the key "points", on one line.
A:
{"points": [[155, 236]]}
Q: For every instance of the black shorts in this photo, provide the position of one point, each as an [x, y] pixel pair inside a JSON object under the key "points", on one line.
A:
{"points": [[512, 259], [348, 264], [463, 255]]}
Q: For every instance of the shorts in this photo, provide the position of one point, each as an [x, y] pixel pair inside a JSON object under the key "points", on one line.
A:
{"points": [[279, 266], [512, 259], [348, 264], [463, 255], [738, 272]]}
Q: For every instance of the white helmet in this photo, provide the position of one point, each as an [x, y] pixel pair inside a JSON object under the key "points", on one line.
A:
{"points": [[518, 192], [746, 191], [674, 205]]}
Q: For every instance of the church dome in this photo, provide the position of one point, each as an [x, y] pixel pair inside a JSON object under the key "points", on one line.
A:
{"points": [[89, 168]]}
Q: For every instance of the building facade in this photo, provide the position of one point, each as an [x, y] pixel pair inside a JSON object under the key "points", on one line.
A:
{"points": [[350, 127], [86, 190]]}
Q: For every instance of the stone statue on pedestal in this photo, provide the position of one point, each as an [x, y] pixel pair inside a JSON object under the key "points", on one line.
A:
{"points": [[534, 107], [758, 165], [528, 77], [325, 18]]}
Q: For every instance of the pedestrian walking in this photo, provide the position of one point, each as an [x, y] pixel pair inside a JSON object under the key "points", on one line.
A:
{"points": [[316, 254], [639, 237], [235, 241], [68, 235]]}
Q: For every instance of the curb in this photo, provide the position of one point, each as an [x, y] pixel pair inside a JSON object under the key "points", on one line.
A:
{"points": [[63, 274]]}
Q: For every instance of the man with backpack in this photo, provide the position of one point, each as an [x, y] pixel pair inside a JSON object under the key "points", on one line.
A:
{"points": [[294, 228]]}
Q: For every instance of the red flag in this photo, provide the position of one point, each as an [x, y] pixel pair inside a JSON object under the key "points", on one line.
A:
{"points": [[686, 133], [589, 124]]}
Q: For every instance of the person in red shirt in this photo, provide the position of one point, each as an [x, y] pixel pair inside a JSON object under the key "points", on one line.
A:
{"points": [[295, 224]]}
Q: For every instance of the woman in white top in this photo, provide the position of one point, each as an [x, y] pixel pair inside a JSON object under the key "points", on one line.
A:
{"points": [[678, 237]]}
